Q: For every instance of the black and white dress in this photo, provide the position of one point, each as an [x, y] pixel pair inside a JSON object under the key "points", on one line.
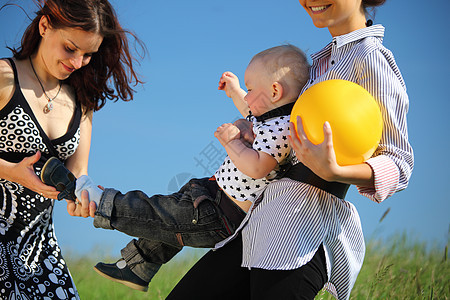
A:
{"points": [[31, 264]]}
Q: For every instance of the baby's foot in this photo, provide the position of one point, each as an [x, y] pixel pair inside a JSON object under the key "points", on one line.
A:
{"points": [[55, 173], [120, 272]]}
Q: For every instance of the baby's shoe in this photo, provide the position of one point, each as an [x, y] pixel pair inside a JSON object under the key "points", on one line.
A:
{"points": [[55, 174], [121, 272]]}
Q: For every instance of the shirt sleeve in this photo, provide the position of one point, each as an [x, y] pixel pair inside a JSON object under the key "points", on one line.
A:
{"points": [[271, 138], [386, 178], [393, 160]]}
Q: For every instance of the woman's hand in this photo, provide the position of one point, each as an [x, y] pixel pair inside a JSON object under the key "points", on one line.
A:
{"points": [[23, 173], [320, 158], [83, 208]]}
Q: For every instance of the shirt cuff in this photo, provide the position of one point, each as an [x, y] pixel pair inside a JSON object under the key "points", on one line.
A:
{"points": [[103, 213], [386, 178]]}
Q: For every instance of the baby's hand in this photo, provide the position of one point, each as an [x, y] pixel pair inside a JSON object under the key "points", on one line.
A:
{"points": [[226, 133], [229, 83]]}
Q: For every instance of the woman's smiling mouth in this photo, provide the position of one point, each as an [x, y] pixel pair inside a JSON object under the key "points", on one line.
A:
{"points": [[319, 9]]}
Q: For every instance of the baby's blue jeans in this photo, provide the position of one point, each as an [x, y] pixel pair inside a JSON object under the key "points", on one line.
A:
{"points": [[193, 216]]}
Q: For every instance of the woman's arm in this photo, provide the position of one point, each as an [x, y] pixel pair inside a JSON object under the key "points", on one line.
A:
{"points": [[78, 165], [389, 169], [78, 162], [321, 158], [393, 160], [6, 83], [22, 172]]}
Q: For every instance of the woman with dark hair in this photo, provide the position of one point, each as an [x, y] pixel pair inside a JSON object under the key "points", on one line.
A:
{"points": [[301, 235], [73, 57]]}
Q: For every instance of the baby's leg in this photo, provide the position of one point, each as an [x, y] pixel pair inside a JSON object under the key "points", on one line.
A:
{"points": [[190, 217], [141, 260], [145, 257]]}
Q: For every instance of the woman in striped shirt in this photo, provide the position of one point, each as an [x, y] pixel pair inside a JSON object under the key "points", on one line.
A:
{"points": [[302, 235]]}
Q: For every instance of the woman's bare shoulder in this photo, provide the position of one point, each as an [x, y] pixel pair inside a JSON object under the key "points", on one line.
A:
{"points": [[6, 82]]}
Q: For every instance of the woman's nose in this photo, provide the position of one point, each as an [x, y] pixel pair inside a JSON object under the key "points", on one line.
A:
{"points": [[77, 61]]}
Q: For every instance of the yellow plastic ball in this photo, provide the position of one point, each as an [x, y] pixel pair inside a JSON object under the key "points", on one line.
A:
{"points": [[352, 112]]}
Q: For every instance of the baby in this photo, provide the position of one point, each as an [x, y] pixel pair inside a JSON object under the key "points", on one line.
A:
{"points": [[208, 210]]}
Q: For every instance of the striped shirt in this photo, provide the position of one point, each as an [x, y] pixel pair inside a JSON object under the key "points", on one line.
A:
{"points": [[293, 218]]}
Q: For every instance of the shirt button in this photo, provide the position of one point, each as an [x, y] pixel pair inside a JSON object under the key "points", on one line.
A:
{"points": [[332, 62], [311, 81]]}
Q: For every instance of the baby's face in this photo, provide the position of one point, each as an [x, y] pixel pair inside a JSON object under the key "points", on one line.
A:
{"points": [[259, 88]]}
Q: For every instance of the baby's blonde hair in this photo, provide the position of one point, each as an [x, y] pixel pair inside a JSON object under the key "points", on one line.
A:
{"points": [[286, 64]]}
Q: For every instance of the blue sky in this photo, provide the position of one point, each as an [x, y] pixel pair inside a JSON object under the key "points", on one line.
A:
{"points": [[166, 134]]}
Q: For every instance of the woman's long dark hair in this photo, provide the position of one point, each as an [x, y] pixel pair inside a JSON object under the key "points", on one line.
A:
{"points": [[109, 74], [370, 5]]}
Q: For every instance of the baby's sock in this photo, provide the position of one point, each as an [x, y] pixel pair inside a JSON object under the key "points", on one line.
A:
{"points": [[84, 182]]}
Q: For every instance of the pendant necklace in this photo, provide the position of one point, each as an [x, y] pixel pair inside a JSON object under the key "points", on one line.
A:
{"points": [[49, 106]]}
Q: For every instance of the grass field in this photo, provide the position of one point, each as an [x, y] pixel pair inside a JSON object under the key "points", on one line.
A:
{"points": [[399, 269]]}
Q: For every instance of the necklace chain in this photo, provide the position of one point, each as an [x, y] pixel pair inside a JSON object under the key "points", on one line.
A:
{"points": [[49, 106]]}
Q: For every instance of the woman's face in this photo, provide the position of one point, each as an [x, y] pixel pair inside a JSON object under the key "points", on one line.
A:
{"points": [[340, 16], [63, 51]]}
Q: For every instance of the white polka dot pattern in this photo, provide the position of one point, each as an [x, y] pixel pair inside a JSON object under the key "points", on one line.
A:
{"points": [[31, 263], [19, 133]]}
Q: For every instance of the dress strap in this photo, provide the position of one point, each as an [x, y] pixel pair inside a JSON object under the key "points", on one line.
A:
{"points": [[51, 148], [13, 65]]}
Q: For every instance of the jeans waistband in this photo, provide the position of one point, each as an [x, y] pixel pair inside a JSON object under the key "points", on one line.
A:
{"points": [[233, 212]]}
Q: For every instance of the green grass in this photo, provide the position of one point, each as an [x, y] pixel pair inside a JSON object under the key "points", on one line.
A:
{"points": [[92, 286], [399, 269]]}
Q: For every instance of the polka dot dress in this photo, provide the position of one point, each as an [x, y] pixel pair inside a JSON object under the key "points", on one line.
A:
{"points": [[31, 264]]}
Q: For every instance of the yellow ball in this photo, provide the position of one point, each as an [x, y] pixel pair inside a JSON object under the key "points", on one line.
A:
{"points": [[352, 112]]}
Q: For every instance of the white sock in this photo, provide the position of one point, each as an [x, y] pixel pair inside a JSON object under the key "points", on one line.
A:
{"points": [[84, 182]]}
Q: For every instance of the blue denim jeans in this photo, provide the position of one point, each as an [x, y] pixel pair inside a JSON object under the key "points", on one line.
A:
{"points": [[193, 217]]}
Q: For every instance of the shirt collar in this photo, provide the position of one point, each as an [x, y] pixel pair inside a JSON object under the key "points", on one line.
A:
{"points": [[375, 31], [284, 110], [341, 40]]}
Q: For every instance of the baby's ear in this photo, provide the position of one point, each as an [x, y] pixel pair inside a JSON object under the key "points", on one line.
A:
{"points": [[277, 91]]}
